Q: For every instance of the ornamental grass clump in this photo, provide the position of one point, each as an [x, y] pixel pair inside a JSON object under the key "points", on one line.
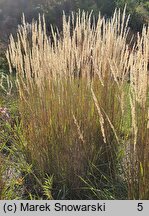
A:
{"points": [[83, 100]]}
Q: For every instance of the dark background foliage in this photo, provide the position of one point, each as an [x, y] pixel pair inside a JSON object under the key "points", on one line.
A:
{"points": [[11, 11]]}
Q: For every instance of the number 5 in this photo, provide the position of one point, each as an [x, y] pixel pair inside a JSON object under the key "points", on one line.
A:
{"points": [[140, 207]]}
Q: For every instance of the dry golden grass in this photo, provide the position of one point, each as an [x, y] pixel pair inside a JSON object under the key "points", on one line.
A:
{"points": [[80, 49], [75, 97]]}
